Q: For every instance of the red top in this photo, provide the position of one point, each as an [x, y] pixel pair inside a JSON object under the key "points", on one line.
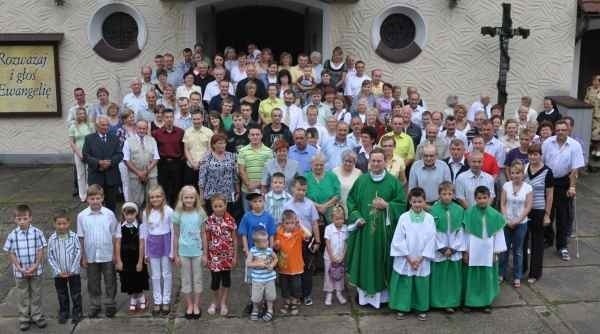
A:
{"points": [[170, 144], [219, 238]]}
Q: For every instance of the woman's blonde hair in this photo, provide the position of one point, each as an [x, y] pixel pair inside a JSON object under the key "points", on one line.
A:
{"points": [[196, 207], [156, 189], [518, 164]]}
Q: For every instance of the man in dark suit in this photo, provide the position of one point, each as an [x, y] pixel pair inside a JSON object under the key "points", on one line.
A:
{"points": [[457, 162], [102, 152]]}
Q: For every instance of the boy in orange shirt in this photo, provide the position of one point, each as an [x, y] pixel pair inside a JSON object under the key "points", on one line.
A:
{"points": [[288, 244]]}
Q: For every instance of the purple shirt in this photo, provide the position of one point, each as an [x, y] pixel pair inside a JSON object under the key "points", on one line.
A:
{"points": [[515, 154]]}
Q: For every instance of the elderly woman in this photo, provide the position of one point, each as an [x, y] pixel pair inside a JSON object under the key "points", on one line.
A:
{"points": [[368, 137], [323, 186], [218, 173], [394, 164], [347, 174], [280, 164]]}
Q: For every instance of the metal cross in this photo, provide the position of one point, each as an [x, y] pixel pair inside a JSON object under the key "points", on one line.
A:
{"points": [[505, 32]]}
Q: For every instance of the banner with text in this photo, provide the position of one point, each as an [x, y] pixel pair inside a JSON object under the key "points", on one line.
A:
{"points": [[28, 79]]}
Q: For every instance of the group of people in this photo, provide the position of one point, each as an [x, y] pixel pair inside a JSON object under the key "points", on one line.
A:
{"points": [[309, 165]]}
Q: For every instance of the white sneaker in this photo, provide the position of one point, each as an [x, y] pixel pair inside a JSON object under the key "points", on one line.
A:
{"points": [[340, 297], [328, 298]]}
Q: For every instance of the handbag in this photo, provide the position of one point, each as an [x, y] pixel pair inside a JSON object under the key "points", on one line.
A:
{"points": [[336, 272]]}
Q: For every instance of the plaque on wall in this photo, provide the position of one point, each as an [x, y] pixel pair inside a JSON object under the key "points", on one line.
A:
{"points": [[29, 75]]}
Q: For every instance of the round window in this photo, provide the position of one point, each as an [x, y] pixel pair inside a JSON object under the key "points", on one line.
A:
{"points": [[120, 30], [398, 34], [117, 32]]}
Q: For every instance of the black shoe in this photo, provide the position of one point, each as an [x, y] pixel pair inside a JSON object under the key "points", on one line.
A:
{"points": [[165, 309], [94, 314], [110, 313], [41, 323], [62, 320], [75, 319], [248, 308], [23, 326]]}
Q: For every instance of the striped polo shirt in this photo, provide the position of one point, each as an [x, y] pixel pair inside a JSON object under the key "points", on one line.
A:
{"points": [[540, 181], [262, 275], [254, 161]]}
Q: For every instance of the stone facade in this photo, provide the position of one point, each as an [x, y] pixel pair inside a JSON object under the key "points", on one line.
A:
{"points": [[456, 59]]}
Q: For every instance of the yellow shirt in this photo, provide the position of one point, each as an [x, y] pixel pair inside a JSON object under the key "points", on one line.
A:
{"points": [[266, 107], [396, 168], [197, 141], [295, 72], [404, 146], [377, 90]]}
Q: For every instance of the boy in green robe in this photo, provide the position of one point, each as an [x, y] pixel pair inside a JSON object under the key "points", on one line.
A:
{"points": [[446, 268], [484, 240]]}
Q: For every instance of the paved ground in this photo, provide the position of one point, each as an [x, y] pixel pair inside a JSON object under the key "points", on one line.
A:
{"points": [[566, 300]]}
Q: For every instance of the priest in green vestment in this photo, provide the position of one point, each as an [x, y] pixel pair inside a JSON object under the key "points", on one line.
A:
{"points": [[484, 239], [374, 203]]}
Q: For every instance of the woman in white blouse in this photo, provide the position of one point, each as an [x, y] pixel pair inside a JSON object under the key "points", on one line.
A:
{"points": [[188, 87]]}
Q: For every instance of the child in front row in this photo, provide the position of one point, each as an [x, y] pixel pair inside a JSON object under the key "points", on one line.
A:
{"points": [[189, 245], [25, 247], [333, 257], [64, 254], [288, 244], [156, 238], [413, 248], [261, 262], [484, 240], [446, 268], [131, 267], [221, 252], [255, 219]]}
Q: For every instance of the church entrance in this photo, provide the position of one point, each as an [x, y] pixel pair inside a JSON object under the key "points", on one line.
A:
{"points": [[589, 65], [281, 25]]}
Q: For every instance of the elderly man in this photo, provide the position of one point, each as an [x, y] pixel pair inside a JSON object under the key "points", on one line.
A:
{"points": [[404, 144], [169, 140], [457, 162], [334, 147], [149, 113], [102, 153], [409, 91], [301, 151], [140, 154], [213, 89], [183, 118], [251, 76], [196, 143], [136, 101], [428, 173], [377, 83], [450, 133], [416, 110], [432, 138], [147, 84], [252, 160], [489, 163], [374, 203], [79, 95], [467, 182], [483, 104], [564, 156]]}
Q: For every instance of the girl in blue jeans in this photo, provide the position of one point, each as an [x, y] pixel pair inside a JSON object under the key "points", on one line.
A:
{"points": [[515, 203]]}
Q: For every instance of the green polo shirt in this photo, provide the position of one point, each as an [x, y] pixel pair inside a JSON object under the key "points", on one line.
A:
{"points": [[254, 161]]}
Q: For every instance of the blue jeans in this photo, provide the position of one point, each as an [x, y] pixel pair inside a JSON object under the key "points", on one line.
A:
{"points": [[514, 238]]}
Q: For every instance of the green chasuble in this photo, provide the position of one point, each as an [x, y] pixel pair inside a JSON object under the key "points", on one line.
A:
{"points": [[447, 275], [484, 228], [368, 260]]}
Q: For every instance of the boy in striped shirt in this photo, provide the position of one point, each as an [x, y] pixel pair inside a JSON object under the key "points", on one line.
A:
{"points": [[261, 261], [64, 254]]}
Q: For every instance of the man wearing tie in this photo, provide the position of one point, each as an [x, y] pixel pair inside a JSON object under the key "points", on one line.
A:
{"points": [[102, 153]]}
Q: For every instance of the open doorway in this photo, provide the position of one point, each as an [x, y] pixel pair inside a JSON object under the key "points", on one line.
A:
{"points": [[588, 65], [281, 25], [276, 28]]}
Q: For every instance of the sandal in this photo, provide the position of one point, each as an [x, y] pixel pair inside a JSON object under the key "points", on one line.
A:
{"points": [[422, 316], [400, 316], [254, 316], [285, 309], [517, 283], [268, 316], [212, 309], [294, 309]]}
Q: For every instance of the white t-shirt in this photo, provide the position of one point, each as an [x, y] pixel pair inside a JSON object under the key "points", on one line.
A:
{"points": [[515, 202], [337, 240]]}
